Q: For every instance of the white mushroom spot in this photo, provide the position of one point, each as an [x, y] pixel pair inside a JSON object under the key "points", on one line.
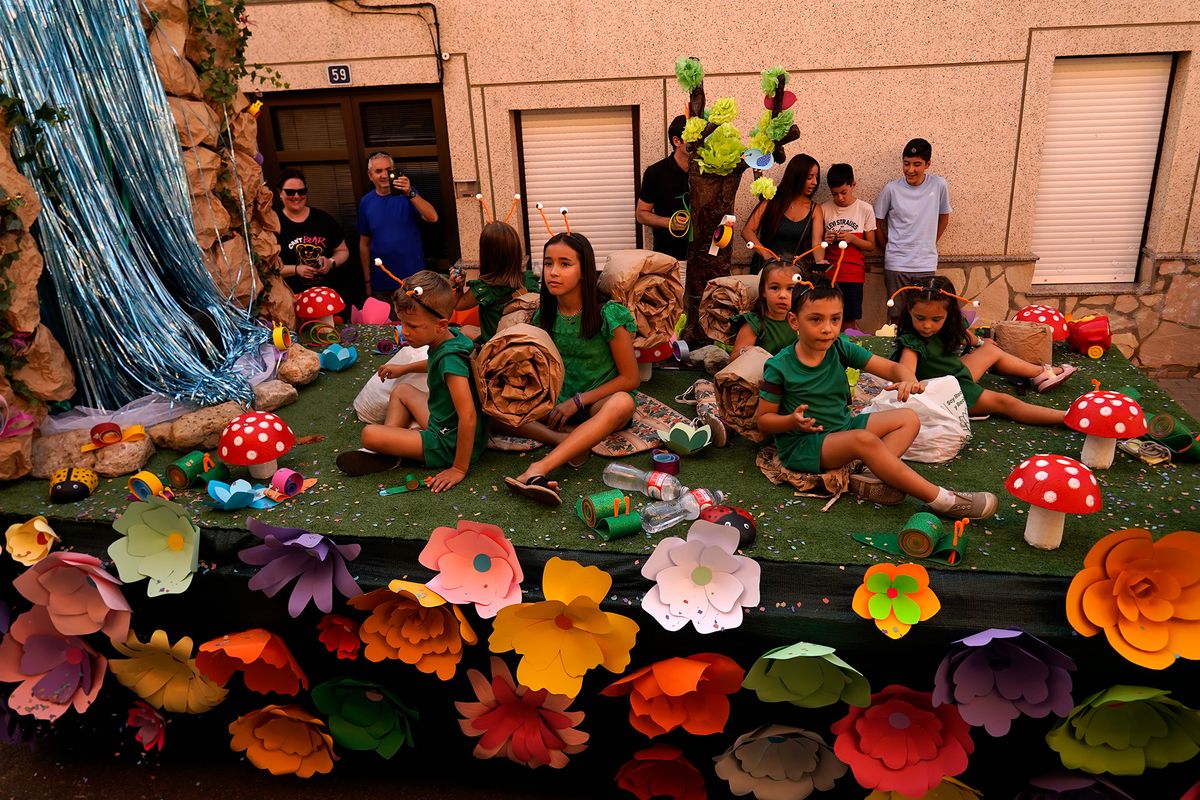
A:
{"points": [[279, 447], [1106, 412], [1018, 483], [1041, 318], [1041, 475], [1119, 427], [1081, 404], [1050, 497], [1025, 463], [1117, 403], [1134, 411], [1071, 470], [278, 426], [250, 419], [1083, 423], [224, 452], [1041, 462], [308, 309], [1089, 501], [251, 454], [1073, 483], [264, 424], [237, 441], [262, 437], [1093, 479], [1063, 461]]}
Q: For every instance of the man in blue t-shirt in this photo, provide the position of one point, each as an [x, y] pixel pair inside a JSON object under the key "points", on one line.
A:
{"points": [[387, 227]]}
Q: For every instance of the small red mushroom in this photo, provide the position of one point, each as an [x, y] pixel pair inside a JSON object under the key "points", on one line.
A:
{"points": [[1053, 486], [319, 303], [1104, 417], [1046, 316], [255, 440]]}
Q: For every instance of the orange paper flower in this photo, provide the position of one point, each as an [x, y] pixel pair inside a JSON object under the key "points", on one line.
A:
{"points": [[79, 595], [165, 675], [263, 658], [30, 542], [567, 634], [1144, 595], [340, 635], [896, 597], [415, 625], [692, 693], [284, 740]]}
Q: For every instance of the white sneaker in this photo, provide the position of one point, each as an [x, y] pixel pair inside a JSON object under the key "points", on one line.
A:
{"points": [[972, 505]]}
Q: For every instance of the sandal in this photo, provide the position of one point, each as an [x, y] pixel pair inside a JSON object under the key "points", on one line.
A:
{"points": [[539, 489], [365, 462], [688, 398], [1049, 379]]}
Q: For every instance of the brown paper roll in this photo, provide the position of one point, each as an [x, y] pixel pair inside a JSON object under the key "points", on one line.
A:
{"points": [[737, 391], [1031, 341], [519, 310], [723, 299], [647, 283], [519, 375]]}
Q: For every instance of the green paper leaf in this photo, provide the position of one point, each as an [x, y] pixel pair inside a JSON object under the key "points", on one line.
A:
{"points": [[879, 583], [906, 610], [880, 606], [906, 584]]}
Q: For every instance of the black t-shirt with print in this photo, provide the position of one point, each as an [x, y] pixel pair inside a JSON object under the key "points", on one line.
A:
{"points": [[665, 186], [306, 243]]}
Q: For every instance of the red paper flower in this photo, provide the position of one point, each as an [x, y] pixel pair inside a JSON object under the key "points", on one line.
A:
{"points": [[80, 597], [661, 771], [151, 727], [340, 635], [263, 658], [901, 743], [526, 726], [691, 692]]}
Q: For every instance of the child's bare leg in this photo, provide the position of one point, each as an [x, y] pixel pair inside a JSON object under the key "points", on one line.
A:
{"points": [[897, 428], [407, 404], [990, 356], [843, 447], [607, 415], [402, 442], [1018, 410], [538, 431]]}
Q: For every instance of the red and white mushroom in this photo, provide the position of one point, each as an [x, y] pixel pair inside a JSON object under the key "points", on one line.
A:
{"points": [[1053, 486], [255, 440], [1104, 417], [1047, 316], [319, 303]]}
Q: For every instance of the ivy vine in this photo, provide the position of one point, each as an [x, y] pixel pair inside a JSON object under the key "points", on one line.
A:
{"points": [[221, 71]]}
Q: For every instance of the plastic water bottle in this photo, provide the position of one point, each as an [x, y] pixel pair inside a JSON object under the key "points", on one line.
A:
{"points": [[657, 485], [662, 515]]}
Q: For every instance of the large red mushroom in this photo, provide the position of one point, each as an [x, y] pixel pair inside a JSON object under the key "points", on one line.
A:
{"points": [[1104, 417], [1046, 316], [255, 440], [319, 303], [1053, 486]]}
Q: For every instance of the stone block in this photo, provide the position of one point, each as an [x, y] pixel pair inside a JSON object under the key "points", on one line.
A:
{"points": [[61, 451], [977, 281], [1170, 344], [1019, 275], [1126, 303], [955, 275], [300, 366], [125, 458], [1146, 320], [273, 394], [1183, 299], [993, 301], [1125, 342], [1170, 267], [1102, 300], [199, 430]]}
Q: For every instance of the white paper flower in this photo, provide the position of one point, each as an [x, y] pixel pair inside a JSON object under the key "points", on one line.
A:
{"points": [[776, 762], [700, 580]]}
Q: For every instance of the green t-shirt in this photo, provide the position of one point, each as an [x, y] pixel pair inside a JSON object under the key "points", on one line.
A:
{"points": [[934, 361], [451, 357], [771, 335], [588, 362], [493, 299]]}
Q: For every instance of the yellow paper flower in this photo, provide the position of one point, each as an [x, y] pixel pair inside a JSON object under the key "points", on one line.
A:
{"points": [[562, 637], [722, 111], [165, 675], [763, 188], [693, 128], [30, 542]]}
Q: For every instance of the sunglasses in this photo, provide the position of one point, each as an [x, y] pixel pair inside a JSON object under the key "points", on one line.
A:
{"points": [[295, 192]]}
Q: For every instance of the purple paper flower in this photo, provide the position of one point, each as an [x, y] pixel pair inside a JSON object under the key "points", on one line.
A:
{"points": [[997, 675], [1070, 786], [312, 560]]}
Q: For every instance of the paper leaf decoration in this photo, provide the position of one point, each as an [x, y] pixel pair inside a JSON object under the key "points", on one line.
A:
{"points": [[896, 598], [529, 726], [364, 716], [564, 636], [1063, 785], [165, 675], [79, 596], [29, 542], [315, 562], [262, 657], [340, 635], [475, 563], [150, 724], [55, 672], [160, 543], [997, 675], [776, 761], [701, 580], [684, 439], [336, 358], [411, 624], [661, 771], [283, 740], [902, 742], [948, 789], [1124, 730], [239, 494], [807, 675], [1144, 595], [689, 692]]}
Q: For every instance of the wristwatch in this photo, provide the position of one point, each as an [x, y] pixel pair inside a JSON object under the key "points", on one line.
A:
{"points": [[411, 193]]}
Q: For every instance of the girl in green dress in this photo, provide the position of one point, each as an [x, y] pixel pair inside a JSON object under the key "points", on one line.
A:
{"points": [[595, 339], [501, 277], [768, 326], [932, 335]]}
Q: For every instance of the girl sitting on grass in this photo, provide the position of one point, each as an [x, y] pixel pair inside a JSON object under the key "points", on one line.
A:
{"points": [[501, 277], [768, 327]]}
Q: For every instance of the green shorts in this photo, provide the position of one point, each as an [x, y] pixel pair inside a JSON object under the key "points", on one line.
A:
{"points": [[803, 453], [971, 390], [438, 447]]}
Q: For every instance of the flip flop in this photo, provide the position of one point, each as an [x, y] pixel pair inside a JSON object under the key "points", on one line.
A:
{"points": [[539, 489], [356, 463], [1045, 382]]}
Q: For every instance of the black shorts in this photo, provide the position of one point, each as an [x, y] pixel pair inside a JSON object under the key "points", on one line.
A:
{"points": [[853, 295]]}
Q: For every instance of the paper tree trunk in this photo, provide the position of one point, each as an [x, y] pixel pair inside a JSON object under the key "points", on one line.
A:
{"points": [[712, 197]]}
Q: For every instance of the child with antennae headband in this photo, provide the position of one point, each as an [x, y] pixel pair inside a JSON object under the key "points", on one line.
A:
{"points": [[767, 326], [932, 334], [501, 272]]}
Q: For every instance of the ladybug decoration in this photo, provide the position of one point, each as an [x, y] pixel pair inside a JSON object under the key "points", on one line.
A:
{"points": [[72, 485], [734, 517]]}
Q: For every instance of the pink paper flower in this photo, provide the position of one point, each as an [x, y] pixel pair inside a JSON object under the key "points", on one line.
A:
{"points": [[476, 564], [77, 593], [55, 672], [151, 727]]}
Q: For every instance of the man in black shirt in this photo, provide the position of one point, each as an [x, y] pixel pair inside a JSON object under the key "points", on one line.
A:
{"points": [[664, 193]]}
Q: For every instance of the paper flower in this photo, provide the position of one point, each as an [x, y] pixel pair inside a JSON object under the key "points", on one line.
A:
{"points": [[1144, 595], [948, 789], [283, 740], [151, 727], [998, 675], [763, 188], [239, 494], [1124, 730], [661, 771], [80, 597], [340, 635], [336, 358], [896, 597], [902, 743], [414, 625], [565, 635], [692, 693], [313, 561], [165, 675], [30, 542], [1064, 785], [721, 151], [689, 73], [700, 580], [160, 543], [262, 657], [15, 728], [778, 127], [776, 761], [55, 672], [807, 675], [694, 128], [364, 715], [529, 726], [475, 564], [723, 110]]}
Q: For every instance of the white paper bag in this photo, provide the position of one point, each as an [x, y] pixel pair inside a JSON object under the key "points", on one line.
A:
{"points": [[945, 421], [372, 401]]}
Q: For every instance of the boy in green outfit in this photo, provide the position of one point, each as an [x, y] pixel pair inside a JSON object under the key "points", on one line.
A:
{"points": [[452, 432]]}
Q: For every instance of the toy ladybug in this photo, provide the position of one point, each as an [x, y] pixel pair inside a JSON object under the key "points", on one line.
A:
{"points": [[734, 517], [72, 485]]}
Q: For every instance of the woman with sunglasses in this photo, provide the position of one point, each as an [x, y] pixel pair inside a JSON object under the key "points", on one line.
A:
{"points": [[311, 242]]}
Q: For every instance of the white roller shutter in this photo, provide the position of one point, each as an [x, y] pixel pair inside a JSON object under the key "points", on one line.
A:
{"points": [[581, 159], [1103, 126]]}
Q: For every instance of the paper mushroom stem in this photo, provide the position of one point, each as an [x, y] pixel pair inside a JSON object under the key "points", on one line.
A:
{"points": [[262, 471], [1098, 452], [1044, 528]]}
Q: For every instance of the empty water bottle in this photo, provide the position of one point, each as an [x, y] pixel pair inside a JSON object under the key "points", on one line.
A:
{"points": [[662, 515], [658, 485]]}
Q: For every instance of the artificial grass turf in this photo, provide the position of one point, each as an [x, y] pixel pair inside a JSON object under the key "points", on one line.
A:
{"points": [[1161, 499]]}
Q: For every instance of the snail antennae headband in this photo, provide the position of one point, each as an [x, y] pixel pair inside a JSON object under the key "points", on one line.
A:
{"points": [[930, 290], [541, 210]]}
